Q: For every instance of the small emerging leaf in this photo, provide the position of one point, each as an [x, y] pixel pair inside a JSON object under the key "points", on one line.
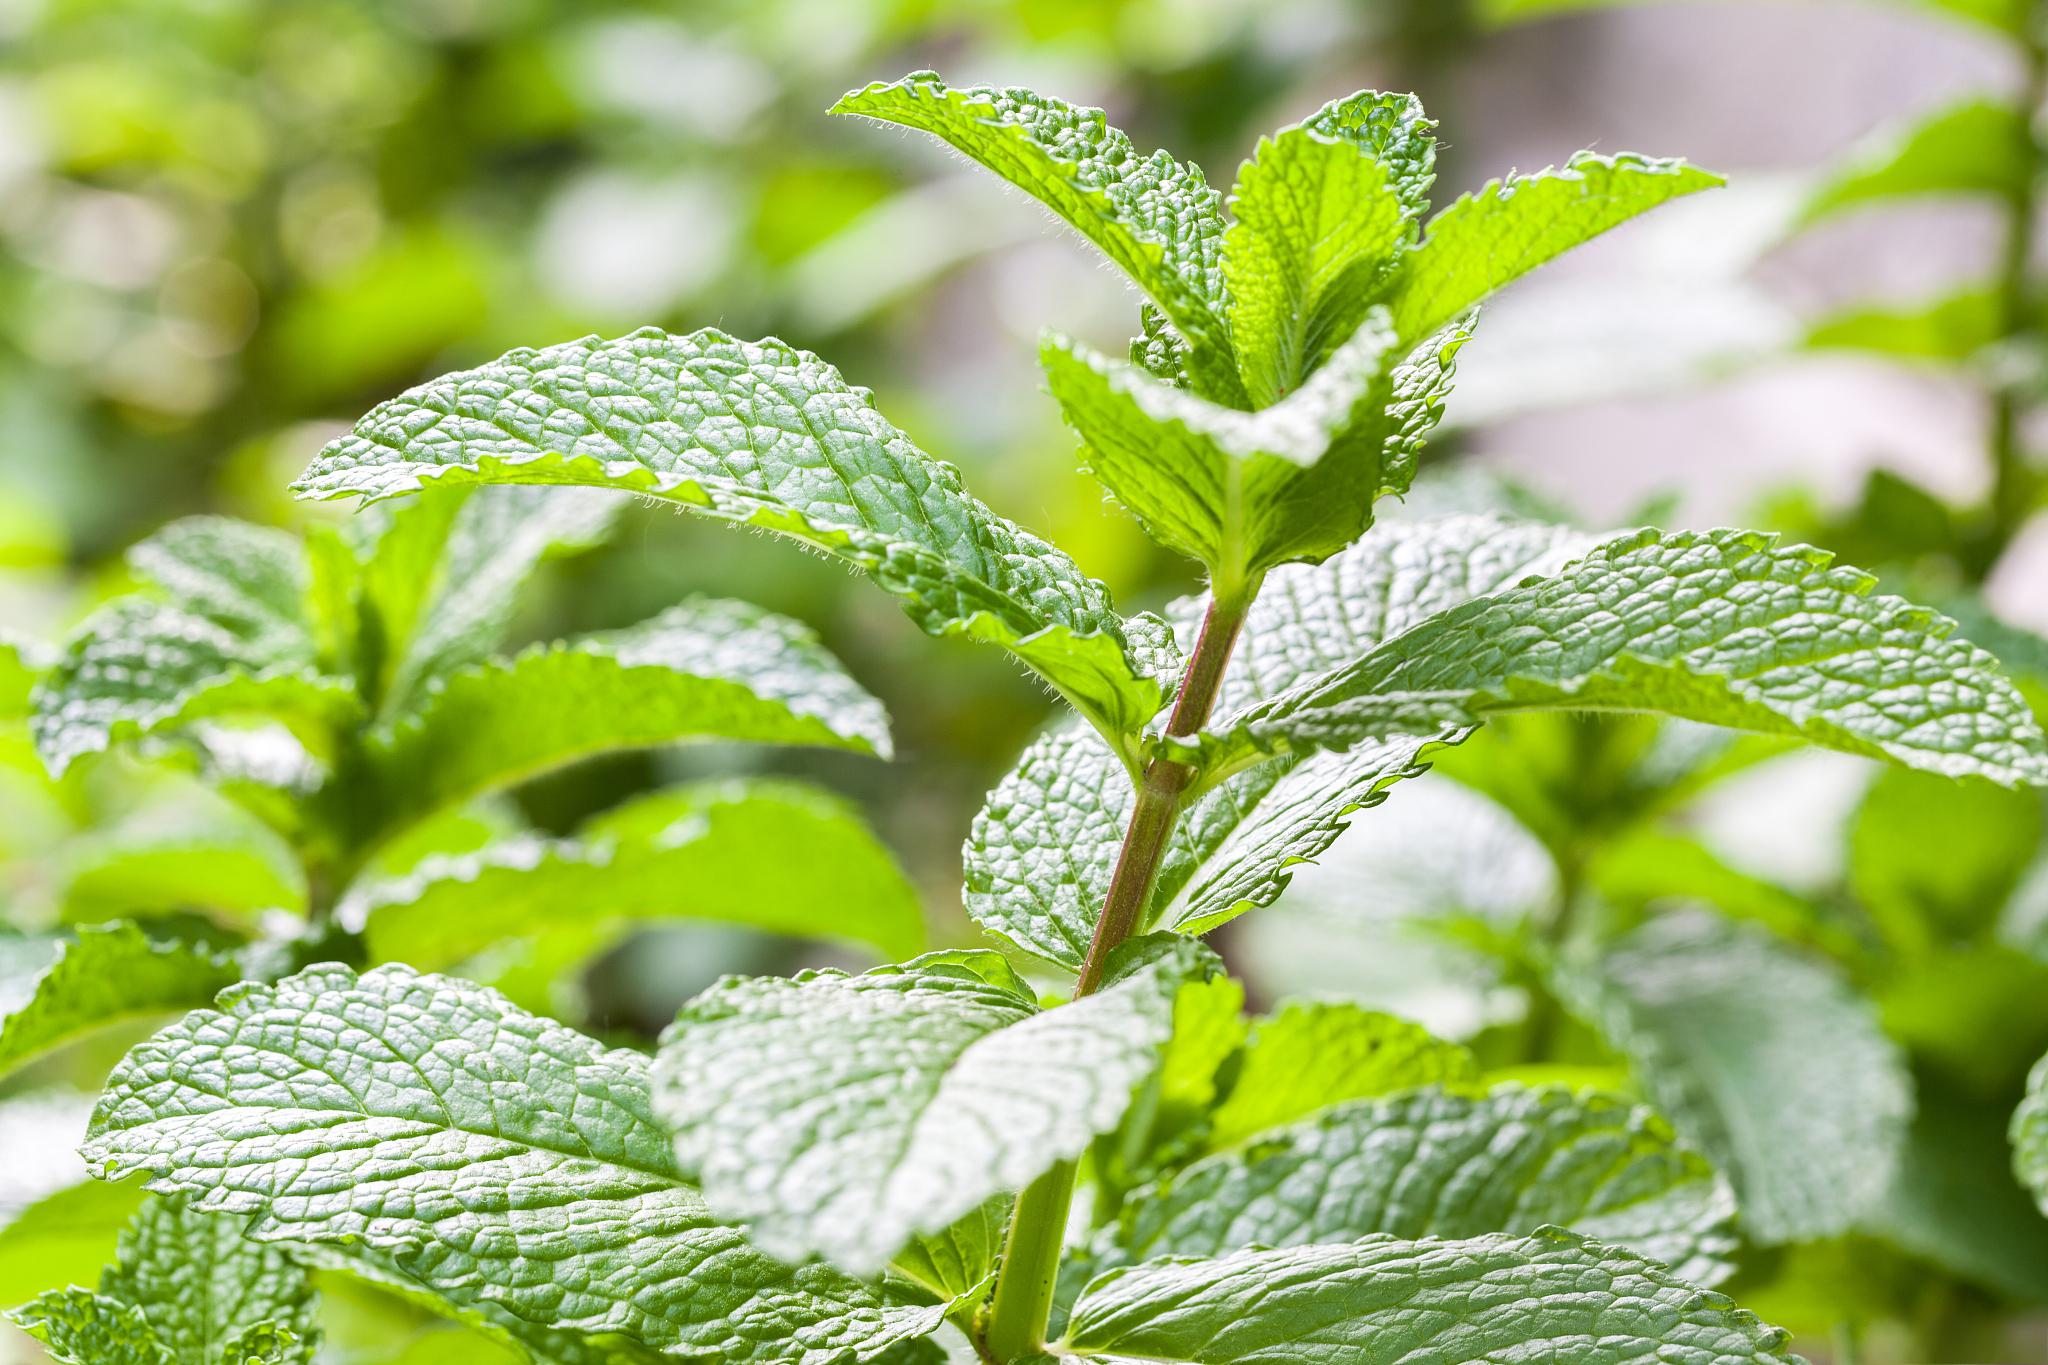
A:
{"points": [[1156, 218]]}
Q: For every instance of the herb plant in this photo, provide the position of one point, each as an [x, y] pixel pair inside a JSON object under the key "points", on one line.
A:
{"points": [[846, 1167]]}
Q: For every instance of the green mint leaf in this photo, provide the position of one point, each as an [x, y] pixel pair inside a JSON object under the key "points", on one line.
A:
{"points": [[1322, 212], [138, 667], [227, 630], [774, 855], [763, 435], [1434, 1163], [1510, 226], [442, 577], [1946, 330], [63, 1238], [1721, 1026], [1240, 491], [704, 669], [1976, 146], [246, 578], [1038, 858], [56, 987], [424, 1132], [958, 1261], [1310, 1054], [79, 1327], [212, 1296], [1155, 218], [1725, 627], [1548, 1296], [885, 1105]]}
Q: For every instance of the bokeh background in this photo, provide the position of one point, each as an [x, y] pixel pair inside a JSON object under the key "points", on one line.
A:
{"points": [[227, 227]]}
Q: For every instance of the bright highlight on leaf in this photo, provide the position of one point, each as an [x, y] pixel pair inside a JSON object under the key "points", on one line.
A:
{"points": [[763, 435], [890, 1104]]}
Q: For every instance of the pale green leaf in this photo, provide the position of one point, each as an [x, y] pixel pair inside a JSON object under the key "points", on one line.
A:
{"points": [[1242, 491], [63, 1238], [1310, 1054], [957, 1261], [1721, 1026], [1550, 1296], [187, 848], [1648, 867], [773, 855], [202, 1285], [1955, 1202], [704, 669], [1725, 627], [79, 1327], [1156, 218], [1947, 330], [1040, 853], [56, 987], [1976, 146], [1321, 214], [881, 1106], [22, 662], [1510, 226], [422, 1131], [763, 435], [1434, 1163]]}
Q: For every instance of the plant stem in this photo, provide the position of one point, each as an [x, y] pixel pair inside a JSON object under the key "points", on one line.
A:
{"points": [[1031, 1252], [2012, 480]]}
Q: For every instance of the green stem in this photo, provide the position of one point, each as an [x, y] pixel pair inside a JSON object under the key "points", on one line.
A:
{"points": [[2012, 479], [1022, 1303]]}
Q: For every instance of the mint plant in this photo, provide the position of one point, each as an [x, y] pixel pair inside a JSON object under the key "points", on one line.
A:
{"points": [[842, 1167], [345, 693]]}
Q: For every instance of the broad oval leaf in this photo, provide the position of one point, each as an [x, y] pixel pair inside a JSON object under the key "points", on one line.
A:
{"points": [[1434, 1163], [1721, 1026], [1547, 1296], [1976, 146], [772, 855], [1725, 627], [423, 1130], [704, 669], [881, 1106], [760, 434]]}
